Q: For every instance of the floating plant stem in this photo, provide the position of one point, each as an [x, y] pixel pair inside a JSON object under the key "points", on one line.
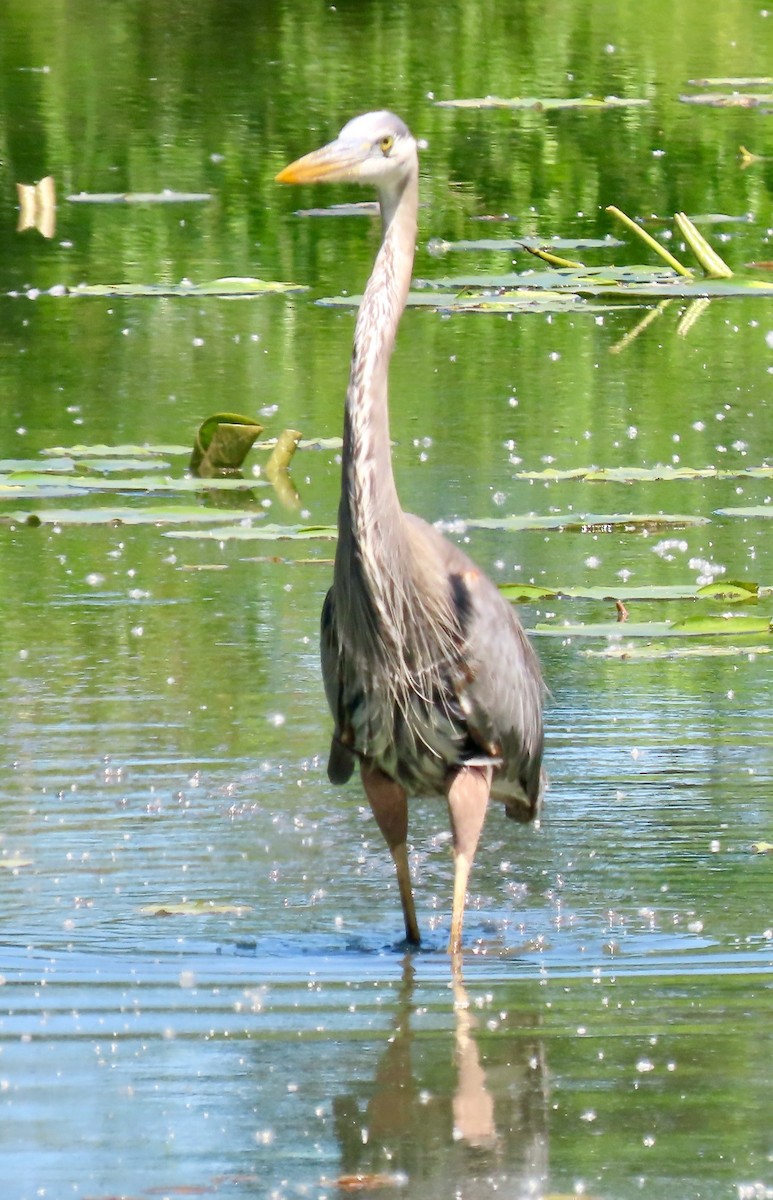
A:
{"points": [[714, 266], [650, 241], [552, 260]]}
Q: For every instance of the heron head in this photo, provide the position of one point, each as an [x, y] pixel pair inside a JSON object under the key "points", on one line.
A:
{"points": [[375, 148]]}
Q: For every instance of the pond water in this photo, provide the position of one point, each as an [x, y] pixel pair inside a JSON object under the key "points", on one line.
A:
{"points": [[202, 989]]}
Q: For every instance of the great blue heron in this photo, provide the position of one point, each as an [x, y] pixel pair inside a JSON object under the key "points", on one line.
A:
{"points": [[431, 680]]}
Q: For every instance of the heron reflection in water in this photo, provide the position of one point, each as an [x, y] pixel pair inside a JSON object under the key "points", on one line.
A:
{"points": [[432, 683]]}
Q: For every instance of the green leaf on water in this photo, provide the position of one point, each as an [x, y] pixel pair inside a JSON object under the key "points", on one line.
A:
{"points": [[633, 280], [730, 591], [729, 99], [167, 196], [438, 246], [753, 510], [260, 533], [589, 522], [633, 652], [545, 103], [726, 592], [194, 908], [24, 485], [113, 515], [646, 474], [700, 626], [232, 287], [100, 450]]}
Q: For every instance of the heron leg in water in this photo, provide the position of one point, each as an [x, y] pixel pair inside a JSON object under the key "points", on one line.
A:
{"points": [[468, 794], [389, 803]]}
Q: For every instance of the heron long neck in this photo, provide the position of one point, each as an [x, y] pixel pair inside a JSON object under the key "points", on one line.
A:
{"points": [[370, 519]]}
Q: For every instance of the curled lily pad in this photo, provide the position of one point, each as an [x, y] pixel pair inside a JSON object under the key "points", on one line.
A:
{"points": [[222, 443]]}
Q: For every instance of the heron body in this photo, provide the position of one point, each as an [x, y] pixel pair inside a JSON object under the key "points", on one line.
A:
{"points": [[432, 683]]}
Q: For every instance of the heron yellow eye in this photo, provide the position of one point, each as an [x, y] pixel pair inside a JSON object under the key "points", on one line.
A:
{"points": [[386, 143]]}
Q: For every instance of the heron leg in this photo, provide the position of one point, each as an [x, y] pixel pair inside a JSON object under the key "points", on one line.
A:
{"points": [[389, 803], [467, 794]]}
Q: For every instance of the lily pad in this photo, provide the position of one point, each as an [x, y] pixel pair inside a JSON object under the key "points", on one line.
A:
{"points": [[721, 626], [729, 99], [640, 653], [234, 286], [365, 208], [194, 908], [30, 485], [545, 103], [734, 81], [646, 474], [260, 533], [523, 300], [630, 281], [439, 247], [113, 515], [589, 522], [725, 592], [752, 510], [167, 196], [100, 450]]}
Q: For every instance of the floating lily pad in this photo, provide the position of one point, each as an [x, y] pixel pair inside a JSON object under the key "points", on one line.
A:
{"points": [[721, 626], [438, 246], [520, 301], [30, 485], [365, 208], [100, 450], [260, 533], [730, 99], [734, 81], [640, 653], [194, 908], [167, 196], [545, 103], [113, 515], [753, 510], [234, 286], [645, 474], [631, 281], [589, 522], [725, 592]]}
